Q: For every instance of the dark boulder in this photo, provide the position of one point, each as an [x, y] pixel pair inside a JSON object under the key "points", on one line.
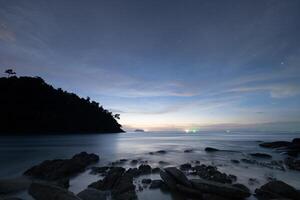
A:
{"points": [[134, 172], [188, 150], [146, 181], [178, 176], [156, 184], [92, 194], [189, 191], [292, 163], [235, 161], [276, 144], [62, 168], [261, 155], [99, 170], [14, 185], [212, 173], [43, 191], [210, 149], [212, 197], [220, 189], [145, 169], [156, 170], [277, 189], [168, 180], [185, 167], [109, 180]]}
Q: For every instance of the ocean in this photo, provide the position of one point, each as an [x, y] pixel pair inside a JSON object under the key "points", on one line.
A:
{"points": [[18, 153]]}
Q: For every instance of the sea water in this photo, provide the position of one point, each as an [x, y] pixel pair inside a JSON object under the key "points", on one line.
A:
{"points": [[18, 153]]}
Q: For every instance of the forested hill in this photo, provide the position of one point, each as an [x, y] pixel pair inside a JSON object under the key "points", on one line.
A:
{"points": [[30, 105]]}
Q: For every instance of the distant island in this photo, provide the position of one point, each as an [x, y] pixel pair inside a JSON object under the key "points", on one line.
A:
{"points": [[139, 130], [30, 105]]}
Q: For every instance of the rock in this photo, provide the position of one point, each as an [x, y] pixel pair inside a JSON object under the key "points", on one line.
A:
{"points": [[261, 155], [43, 191], [133, 171], [145, 169], [235, 161], [163, 162], [212, 197], [212, 173], [276, 144], [296, 141], [168, 180], [242, 187], [277, 189], [185, 167], [134, 162], [99, 170], [62, 168], [11, 198], [292, 163], [146, 181], [124, 188], [158, 152], [210, 149], [188, 150], [178, 176], [14, 185], [156, 184], [92, 194], [189, 191], [109, 180], [220, 189], [253, 181], [64, 183], [156, 170]]}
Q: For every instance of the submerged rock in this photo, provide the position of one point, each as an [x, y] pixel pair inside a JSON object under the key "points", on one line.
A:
{"points": [[210, 149], [224, 190], [235, 161], [62, 168], [276, 144], [92, 194], [260, 155], [188, 150], [156, 184], [146, 181], [277, 190], [43, 191]]}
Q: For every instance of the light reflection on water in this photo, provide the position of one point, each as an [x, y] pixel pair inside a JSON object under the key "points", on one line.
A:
{"points": [[22, 152]]}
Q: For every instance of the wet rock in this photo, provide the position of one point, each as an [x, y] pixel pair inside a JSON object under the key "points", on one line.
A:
{"points": [[292, 163], [156, 170], [188, 151], [185, 167], [178, 176], [156, 184], [64, 183], [133, 171], [92, 194], [210, 149], [145, 169], [168, 180], [62, 168], [277, 189], [134, 162], [163, 163], [261, 155], [43, 191], [99, 170], [276, 144], [212, 197], [109, 180], [253, 181], [296, 141], [241, 186], [146, 181], [224, 190], [189, 191], [235, 161], [212, 173], [124, 188], [158, 152], [271, 165], [11, 198], [14, 185]]}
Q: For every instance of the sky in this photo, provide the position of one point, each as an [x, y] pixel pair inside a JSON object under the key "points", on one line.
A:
{"points": [[168, 64]]}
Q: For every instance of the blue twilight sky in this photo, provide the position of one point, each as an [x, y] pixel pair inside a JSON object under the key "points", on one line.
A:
{"points": [[165, 64]]}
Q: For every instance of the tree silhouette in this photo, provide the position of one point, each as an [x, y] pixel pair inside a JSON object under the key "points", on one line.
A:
{"points": [[117, 116], [10, 72]]}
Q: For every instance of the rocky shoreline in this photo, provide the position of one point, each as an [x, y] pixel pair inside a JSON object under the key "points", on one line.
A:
{"points": [[49, 180]]}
